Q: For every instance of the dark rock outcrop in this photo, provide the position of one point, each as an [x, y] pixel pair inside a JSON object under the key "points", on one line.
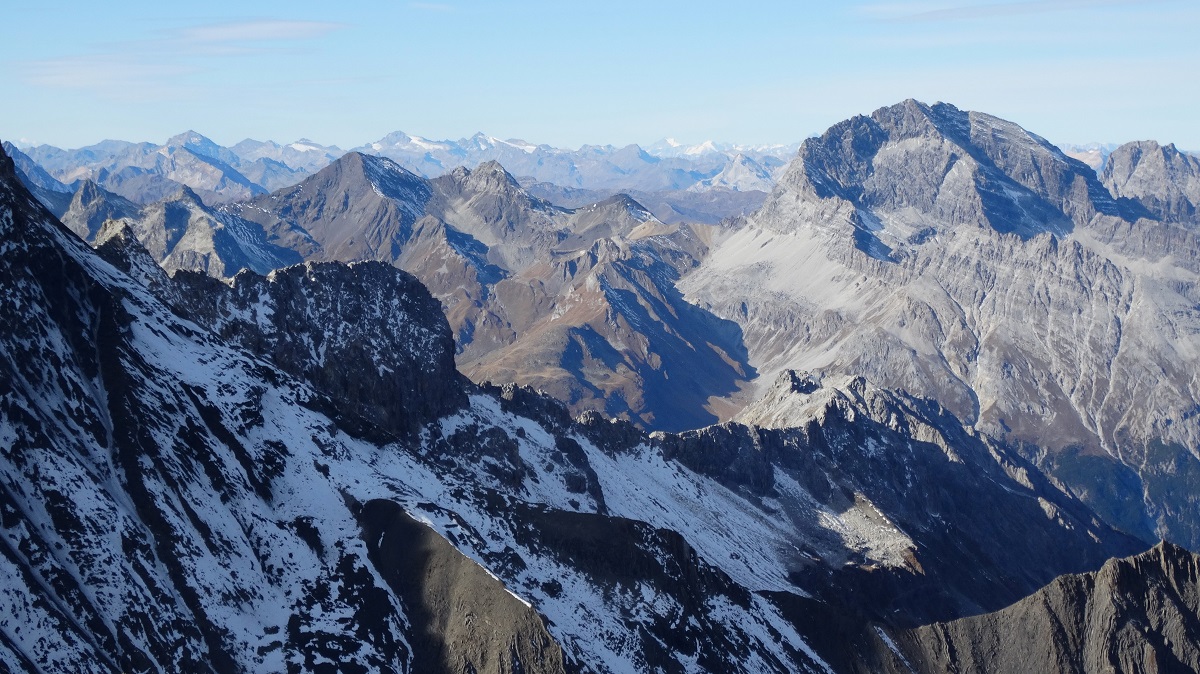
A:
{"points": [[367, 335], [1139, 615], [466, 620]]}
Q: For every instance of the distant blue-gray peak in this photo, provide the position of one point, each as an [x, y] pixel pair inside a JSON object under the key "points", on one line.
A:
{"points": [[144, 172]]}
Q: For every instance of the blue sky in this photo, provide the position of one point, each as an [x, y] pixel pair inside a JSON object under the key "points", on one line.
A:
{"points": [[568, 73]]}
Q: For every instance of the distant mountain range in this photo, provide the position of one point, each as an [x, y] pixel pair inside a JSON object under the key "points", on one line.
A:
{"points": [[528, 286], [894, 419], [703, 183], [912, 247], [663, 166], [146, 172]]}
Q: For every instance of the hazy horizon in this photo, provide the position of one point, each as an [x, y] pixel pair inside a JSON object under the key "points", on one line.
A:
{"points": [[1072, 71]]}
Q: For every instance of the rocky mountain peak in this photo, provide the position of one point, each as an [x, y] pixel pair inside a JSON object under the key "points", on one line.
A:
{"points": [[959, 258], [354, 176], [188, 138], [1159, 177], [878, 176], [87, 194], [92, 206], [913, 119], [8, 168], [491, 177], [117, 243], [622, 204], [199, 144], [185, 195]]}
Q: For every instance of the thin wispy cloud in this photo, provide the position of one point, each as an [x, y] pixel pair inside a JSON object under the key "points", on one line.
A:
{"points": [[154, 67], [913, 12], [257, 31], [431, 6], [116, 76]]}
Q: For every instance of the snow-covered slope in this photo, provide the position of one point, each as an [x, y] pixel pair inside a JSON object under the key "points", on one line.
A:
{"points": [[203, 489]]}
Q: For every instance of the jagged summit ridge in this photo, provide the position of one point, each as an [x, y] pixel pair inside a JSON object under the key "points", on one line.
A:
{"points": [[945, 167], [586, 288]]}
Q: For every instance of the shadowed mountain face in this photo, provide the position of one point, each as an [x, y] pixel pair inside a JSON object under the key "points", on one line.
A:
{"points": [[287, 472], [52, 194], [957, 257], [1140, 614]]}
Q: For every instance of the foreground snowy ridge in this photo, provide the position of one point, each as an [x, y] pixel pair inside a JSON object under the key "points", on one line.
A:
{"points": [[190, 509]]}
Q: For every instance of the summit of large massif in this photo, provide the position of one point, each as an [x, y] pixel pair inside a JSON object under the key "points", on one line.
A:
{"points": [[958, 257]]}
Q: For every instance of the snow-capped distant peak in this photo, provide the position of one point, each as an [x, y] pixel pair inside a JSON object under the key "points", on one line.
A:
{"points": [[303, 145], [524, 146], [426, 144], [193, 139], [706, 147]]}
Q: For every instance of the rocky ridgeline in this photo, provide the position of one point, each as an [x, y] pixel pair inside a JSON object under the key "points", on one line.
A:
{"points": [[1138, 614]]}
